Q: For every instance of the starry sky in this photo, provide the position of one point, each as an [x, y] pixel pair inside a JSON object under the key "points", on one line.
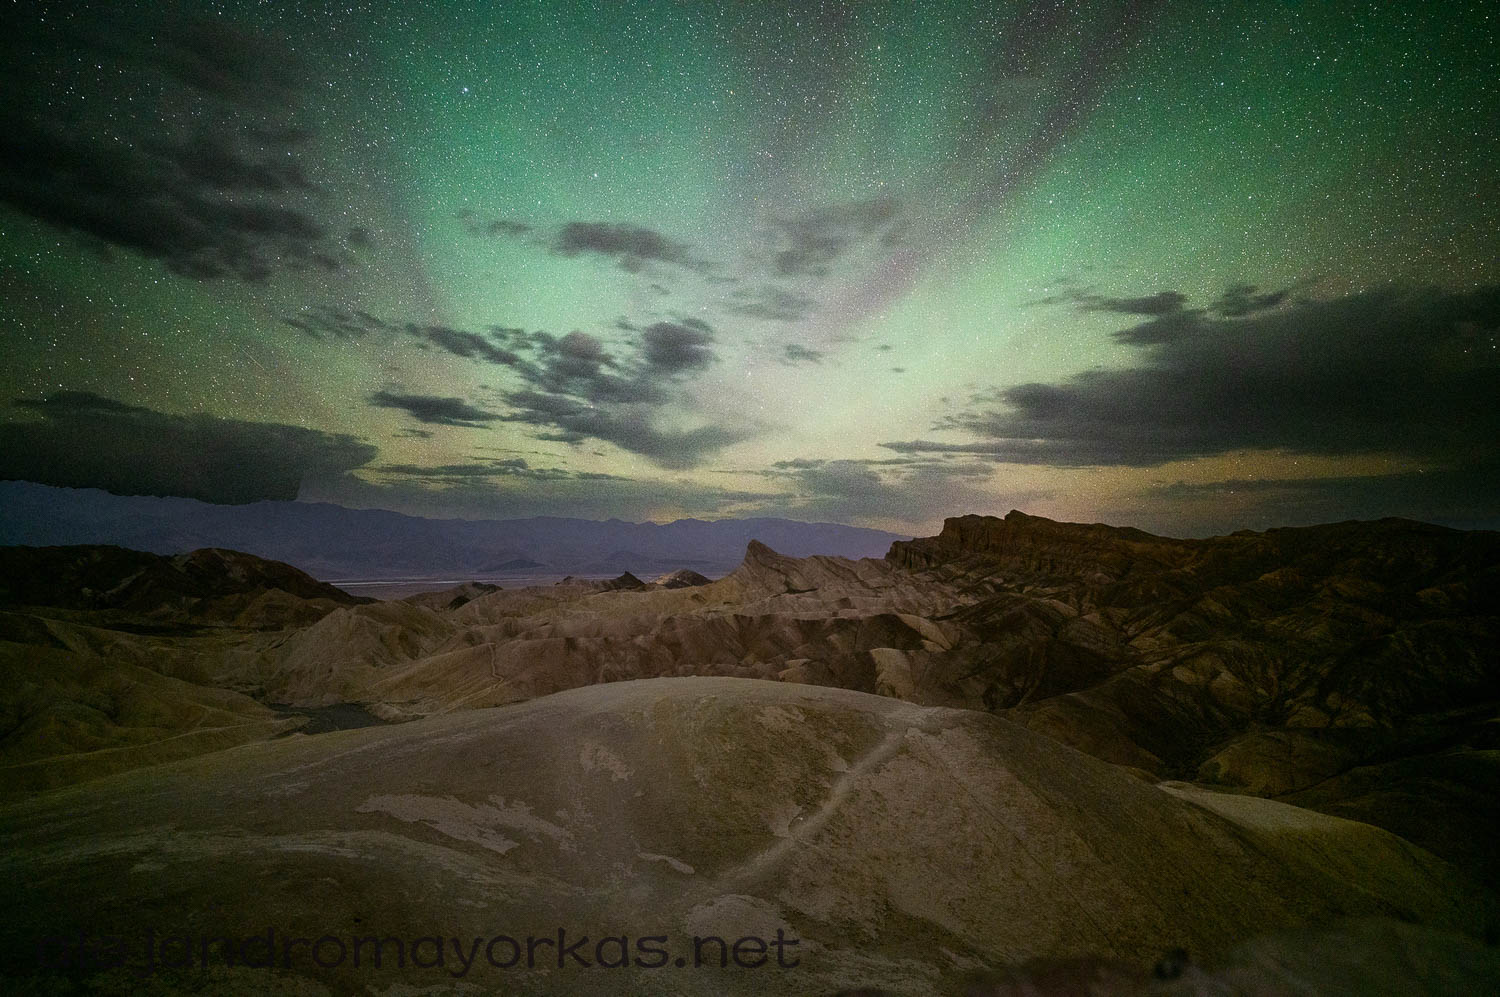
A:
{"points": [[1192, 267]]}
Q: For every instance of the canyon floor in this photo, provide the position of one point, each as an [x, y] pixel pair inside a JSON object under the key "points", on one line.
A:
{"points": [[1018, 740]]}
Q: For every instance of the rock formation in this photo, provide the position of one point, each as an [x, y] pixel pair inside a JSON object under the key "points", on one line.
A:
{"points": [[682, 578], [1282, 663], [112, 659], [1348, 669], [205, 586], [451, 598]]}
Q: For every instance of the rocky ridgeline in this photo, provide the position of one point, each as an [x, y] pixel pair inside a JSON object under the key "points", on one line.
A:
{"points": [[1042, 548], [1353, 667], [204, 586]]}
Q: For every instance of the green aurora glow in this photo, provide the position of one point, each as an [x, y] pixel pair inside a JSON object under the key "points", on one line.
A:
{"points": [[868, 262]]}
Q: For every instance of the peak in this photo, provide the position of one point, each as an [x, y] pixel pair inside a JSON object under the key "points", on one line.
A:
{"points": [[682, 578], [1013, 518], [763, 566]]}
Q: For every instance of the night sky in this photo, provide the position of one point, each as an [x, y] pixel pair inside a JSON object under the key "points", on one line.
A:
{"points": [[1187, 266]]}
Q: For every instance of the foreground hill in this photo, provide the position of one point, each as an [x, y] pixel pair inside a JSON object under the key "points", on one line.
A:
{"points": [[898, 846]]}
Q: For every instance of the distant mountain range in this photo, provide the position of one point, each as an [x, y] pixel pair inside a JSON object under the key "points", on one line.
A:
{"points": [[331, 542]]}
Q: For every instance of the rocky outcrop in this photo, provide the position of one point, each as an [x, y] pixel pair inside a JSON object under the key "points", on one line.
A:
{"points": [[625, 582], [1270, 662], [451, 598], [682, 578], [818, 586], [338, 658], [205, 586], [1184, 645], [1037, 549]]}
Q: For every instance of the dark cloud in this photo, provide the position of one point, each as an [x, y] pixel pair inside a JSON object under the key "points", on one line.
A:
{"points": [[672, 347], [586, 495], [1166, 328], [1237, 301], [84, 440], [1160, 303], [574, 387], [630, 245], [577, 389], [485, 468], [493, 226], [1171, 319], [477, 469], [630, 428], [1051, 299], [939, 465], [211, 182], [841, 479], [434, 410], [1410, 371], [795, 354], [212, 160], [774, 304], [902, 488], [808, 245], [318, 321], [219, 57], [1247, 299], [579, 366], [1460, 497], [469, 345]]}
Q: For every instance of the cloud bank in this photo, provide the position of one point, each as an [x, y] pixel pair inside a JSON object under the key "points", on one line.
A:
{"points": [[1410, 371], [214, 185], [84, 440]]}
